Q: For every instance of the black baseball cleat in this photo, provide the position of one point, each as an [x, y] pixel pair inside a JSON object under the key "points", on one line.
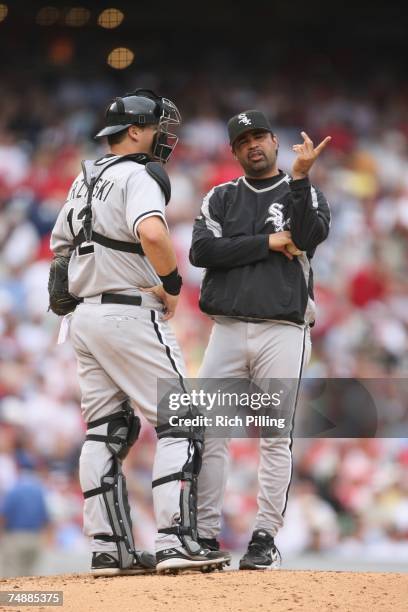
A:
{"points": [[262, 553], [107, 564], [173, 560], [212, 544]]}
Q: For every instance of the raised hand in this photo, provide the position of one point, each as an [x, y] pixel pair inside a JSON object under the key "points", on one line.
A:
{"points": [[306, 155]]}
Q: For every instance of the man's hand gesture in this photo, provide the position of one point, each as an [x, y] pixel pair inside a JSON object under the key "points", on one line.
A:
{"points": [[282, 242], [306, 155]]}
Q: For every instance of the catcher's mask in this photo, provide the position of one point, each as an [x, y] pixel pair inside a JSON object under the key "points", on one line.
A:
{"points": [[144, 107]]}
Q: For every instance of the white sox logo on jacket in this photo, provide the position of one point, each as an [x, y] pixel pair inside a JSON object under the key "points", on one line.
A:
{"points": [[244, 278], [276, 217]]}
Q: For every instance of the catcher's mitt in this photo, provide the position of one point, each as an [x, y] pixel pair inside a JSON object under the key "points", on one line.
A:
{"points": [[61, 301]]}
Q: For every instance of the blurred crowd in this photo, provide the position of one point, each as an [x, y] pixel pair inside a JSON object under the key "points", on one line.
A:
{"points": [[346, 494]]}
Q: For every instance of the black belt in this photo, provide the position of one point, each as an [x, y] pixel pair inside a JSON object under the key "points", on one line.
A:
{"points": [[117, 298]]}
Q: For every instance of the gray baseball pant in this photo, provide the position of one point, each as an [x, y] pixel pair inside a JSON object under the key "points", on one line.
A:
{"points": [[239, 349], [122, 351]]}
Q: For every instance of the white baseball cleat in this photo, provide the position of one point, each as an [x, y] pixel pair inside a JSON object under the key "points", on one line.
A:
{"points": [[173, 560]]}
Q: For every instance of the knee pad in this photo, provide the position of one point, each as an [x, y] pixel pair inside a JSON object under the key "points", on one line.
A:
{"points": [[122, 431], [186, 530]]}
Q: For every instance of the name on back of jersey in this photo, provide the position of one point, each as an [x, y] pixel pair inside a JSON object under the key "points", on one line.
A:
{"points": [[101, 191]]}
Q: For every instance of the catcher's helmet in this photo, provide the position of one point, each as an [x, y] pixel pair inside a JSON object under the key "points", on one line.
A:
{"points": [[143, 107]]}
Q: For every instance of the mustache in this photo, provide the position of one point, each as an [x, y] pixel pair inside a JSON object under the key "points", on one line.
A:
{"points": [[256, 152]]}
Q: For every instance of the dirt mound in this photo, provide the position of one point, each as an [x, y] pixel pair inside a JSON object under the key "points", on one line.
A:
{"points": [[228, 591]]}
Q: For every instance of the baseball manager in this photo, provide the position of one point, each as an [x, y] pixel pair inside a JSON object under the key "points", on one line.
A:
{"points": [[256, 236]]}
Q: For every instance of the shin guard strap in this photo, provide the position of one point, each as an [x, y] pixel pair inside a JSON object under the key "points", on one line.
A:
{"points": [[171, 477]]}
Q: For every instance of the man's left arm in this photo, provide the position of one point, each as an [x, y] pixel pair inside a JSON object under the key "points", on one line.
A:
{"points": [[309, 215], [61, 242]]}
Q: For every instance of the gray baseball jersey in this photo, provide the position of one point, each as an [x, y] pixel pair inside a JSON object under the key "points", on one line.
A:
{"points": [[121, 349], [124, 196]]}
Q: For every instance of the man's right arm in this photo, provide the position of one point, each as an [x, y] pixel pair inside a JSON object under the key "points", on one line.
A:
{"points": [[210, 249], [157, 245], [158, 248], [145, 217]]}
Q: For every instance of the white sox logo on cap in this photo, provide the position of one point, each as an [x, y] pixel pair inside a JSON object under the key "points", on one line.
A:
{"points": [[242, 118], [245, 121]]}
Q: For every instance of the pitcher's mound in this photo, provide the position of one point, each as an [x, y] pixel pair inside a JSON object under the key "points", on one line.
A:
{"points": [[234, 591]]}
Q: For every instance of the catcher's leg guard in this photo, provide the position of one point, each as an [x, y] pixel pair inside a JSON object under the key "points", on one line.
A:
{"points": [[122, 430], [186, 530]]}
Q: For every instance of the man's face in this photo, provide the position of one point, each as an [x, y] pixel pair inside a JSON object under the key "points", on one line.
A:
{"points": [[256, 151], [147, 138]]}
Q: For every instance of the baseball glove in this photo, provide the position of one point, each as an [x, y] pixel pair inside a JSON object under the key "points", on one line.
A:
{"points": [[61, 301]]}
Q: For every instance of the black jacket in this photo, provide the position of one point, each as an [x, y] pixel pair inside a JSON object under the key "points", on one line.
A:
{"points": [[230, 238]]}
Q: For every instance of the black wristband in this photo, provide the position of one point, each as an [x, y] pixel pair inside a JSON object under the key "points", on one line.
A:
{"points": [[172, 282]]}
